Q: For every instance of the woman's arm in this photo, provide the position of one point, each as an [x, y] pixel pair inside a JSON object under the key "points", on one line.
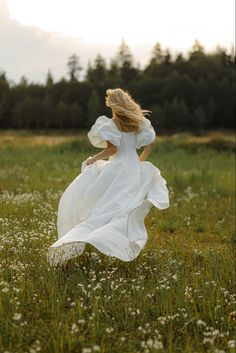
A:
{"points": [[107, 152], [146, 151]]}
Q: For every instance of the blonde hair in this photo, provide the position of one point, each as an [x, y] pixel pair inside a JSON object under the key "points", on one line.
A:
{"points": [[124, 108]]}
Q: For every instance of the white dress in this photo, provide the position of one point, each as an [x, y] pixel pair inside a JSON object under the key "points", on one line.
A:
{"points": [[105, 205]]}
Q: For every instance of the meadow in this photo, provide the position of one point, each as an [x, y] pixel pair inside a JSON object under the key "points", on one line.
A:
{"points": [[177, 296]]}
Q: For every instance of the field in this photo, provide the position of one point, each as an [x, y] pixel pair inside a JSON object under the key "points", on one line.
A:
{"points": [[177, 296]]}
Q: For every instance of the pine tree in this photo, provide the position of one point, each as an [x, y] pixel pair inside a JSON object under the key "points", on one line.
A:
{"points": [[74, 67]]}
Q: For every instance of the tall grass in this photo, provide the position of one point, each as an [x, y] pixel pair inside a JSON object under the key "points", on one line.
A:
{"points": [[177, 296]]}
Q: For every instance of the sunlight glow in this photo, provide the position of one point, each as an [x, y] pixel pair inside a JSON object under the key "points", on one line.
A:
{"points": [[173, 23]]}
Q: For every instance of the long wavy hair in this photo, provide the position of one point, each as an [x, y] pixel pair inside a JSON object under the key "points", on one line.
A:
{"points": [[125, 110]]}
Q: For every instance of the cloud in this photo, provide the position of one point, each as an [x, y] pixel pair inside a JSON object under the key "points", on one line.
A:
{"points": [[31, 52]]}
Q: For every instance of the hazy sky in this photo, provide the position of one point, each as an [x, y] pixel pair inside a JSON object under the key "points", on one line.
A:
{"points": [[37, 35]]}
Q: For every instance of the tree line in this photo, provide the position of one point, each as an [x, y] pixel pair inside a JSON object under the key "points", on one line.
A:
{"points": [[183, 92]]}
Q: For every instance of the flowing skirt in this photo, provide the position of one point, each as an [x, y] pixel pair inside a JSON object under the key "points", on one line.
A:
{"points": [[105, 205]]}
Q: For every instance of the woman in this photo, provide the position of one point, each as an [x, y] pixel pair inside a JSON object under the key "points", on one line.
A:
{"points": [[105, 205]]}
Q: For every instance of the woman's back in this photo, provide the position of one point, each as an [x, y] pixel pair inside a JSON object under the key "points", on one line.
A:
{"points": [[128, 141]]}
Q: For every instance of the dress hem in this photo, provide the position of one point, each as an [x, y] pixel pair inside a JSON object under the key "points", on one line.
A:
{"points": [[78, 246], [51, 254]]}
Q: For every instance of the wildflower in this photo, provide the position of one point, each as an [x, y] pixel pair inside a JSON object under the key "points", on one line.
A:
{"points": [[81, 321], [86, 350], [231, 344], [109, 329], [74, 328], [17, 316]]}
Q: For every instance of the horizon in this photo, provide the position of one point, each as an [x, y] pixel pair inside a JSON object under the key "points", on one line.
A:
{"points": [[34, 44]]}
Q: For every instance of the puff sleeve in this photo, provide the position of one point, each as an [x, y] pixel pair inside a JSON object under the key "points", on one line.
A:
{"points": [[104, 129], [146, 134]]}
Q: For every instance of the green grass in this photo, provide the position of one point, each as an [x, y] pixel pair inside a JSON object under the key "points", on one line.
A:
{"points": [[177, 296]]}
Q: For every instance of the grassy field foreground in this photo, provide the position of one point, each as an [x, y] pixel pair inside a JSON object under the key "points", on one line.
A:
{"points": [[177, 296]]}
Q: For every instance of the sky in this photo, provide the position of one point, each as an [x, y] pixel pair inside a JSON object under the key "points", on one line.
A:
{"points": [[38, 35]]}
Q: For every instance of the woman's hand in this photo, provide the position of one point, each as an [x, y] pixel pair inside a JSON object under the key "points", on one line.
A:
{"points": [[90, 160], [107, 152]]}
